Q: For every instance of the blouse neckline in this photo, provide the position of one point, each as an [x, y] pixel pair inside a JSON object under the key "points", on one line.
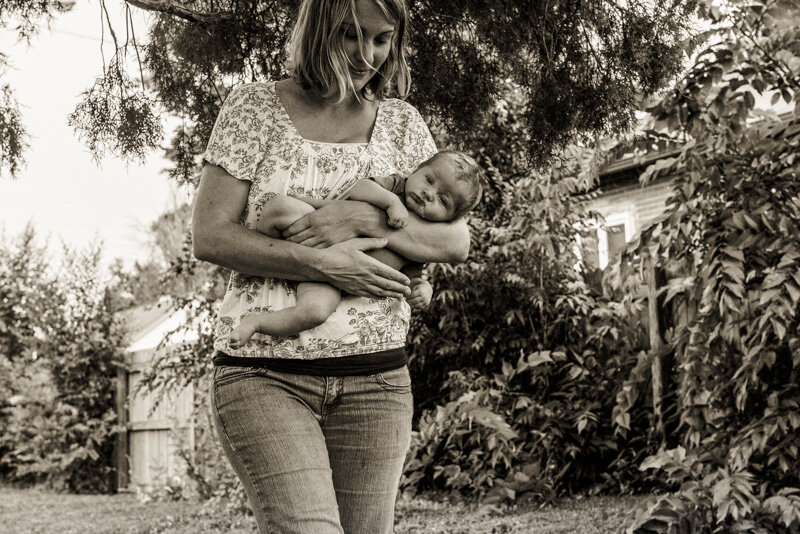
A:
{"points": [[293, 128]]}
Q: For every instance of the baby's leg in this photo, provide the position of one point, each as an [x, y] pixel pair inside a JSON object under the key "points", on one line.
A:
{"points": [[315, 303], [279, 214], [390, 258]]}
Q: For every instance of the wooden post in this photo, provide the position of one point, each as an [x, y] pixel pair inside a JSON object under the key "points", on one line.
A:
{"points": [[121, 442], [656, 345]]}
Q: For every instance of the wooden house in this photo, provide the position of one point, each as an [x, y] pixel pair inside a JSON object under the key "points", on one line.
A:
{"points": [[626, 206]]}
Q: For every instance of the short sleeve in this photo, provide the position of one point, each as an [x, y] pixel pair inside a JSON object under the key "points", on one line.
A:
{"points": [[417, 145], [237, 140]]}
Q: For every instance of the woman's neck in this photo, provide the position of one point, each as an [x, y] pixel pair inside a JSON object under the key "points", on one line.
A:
{"points": [[326, 120], [312, 98]]}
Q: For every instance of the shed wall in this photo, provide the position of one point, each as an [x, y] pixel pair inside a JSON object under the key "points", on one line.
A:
{"points": [[155, 435]]}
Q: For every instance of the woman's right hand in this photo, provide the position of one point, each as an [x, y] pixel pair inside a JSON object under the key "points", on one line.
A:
{"points": [[335, 222], [346, 266]]}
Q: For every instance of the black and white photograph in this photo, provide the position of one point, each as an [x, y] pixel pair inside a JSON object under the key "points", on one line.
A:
{"points": [[400, 266]]}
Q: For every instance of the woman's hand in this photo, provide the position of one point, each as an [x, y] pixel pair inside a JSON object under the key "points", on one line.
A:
{"points": [[334, 223], [347, 267]]}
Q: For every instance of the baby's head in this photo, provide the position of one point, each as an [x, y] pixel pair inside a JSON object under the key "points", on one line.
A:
{"points": [[445, 187]]}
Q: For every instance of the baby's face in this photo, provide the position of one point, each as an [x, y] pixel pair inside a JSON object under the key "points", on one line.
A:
{"points": [[432, 191]]}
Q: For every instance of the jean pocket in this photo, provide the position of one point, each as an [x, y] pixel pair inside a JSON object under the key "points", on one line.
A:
{"points": [[397, 380], [227, 374]]}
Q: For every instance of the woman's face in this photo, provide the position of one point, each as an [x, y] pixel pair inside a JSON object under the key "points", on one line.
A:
{"points": [[377, 32]]}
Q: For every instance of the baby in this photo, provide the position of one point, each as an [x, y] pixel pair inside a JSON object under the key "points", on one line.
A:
{"points": [[443, 188]]}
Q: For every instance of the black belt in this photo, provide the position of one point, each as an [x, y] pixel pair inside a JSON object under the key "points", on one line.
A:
{"points": [[357, 364]]}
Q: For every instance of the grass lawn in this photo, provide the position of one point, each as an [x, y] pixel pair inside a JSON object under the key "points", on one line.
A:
{"points": [[38, 511]]}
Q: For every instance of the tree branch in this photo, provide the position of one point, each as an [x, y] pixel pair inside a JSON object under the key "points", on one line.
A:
{"points": [[171, 7]]}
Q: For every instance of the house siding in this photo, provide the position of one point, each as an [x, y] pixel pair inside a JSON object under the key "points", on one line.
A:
{"points": [[643, 204]]}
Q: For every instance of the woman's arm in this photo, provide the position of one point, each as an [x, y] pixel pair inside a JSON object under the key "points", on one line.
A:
{"points": [[218, 237], [421, 241]]}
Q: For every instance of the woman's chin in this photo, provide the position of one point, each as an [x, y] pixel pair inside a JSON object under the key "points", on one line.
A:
{"points": [[360, 80]]}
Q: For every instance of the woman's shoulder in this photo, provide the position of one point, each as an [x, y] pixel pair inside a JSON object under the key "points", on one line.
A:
{"points": [[255, 100], [407, 133], [401, 110], [253, 90]]}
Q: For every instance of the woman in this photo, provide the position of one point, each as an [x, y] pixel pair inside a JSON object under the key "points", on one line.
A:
{"points": [[317, 426]]}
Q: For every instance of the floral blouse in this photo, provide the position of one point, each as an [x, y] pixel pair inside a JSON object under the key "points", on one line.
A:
{"points": [[254, 140]]}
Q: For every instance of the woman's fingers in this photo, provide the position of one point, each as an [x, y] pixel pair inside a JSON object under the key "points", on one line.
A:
{"points": [[314, 242], [383, 281], [299, 236], [393, 277], [369, 243], [372, 291], [332, 223], [347, 267], [300, 225]]}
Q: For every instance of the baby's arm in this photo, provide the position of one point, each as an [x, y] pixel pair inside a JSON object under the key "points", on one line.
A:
{"points": [[369, 191]]}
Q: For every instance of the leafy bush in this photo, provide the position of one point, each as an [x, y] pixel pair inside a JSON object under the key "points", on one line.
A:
{"points": [[518, 360], [731, 234], [59, 371]]}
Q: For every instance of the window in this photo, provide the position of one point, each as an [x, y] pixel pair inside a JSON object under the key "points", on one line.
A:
{"points": [[611, 240]]}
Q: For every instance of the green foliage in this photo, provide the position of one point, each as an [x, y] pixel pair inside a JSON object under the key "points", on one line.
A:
{"points": [[730, 235], [114, 117], [526, 354], [13, 136], [83, 353], [538, 427], [24, 17], [582, 67], [57, 378], [23, 279]]}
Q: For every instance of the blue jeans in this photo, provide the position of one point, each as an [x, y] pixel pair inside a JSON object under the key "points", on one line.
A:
{"points": [[315, 454]]}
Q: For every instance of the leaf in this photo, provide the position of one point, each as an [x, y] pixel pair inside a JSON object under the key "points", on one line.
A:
{"points": [[538, 358], [575, 371]]}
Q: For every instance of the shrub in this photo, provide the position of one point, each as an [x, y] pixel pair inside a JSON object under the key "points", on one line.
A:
{"points": [[518, 360], [732, 233], [59, 421]]}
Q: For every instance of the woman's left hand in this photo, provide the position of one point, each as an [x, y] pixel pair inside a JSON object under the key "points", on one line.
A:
{"points": [[334, 223]]}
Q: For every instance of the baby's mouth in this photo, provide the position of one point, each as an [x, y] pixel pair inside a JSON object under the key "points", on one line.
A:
{"points": [[416, 199]]}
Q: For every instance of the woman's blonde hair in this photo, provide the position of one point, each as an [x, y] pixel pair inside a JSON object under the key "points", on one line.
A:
{"points": [[317, 58]]}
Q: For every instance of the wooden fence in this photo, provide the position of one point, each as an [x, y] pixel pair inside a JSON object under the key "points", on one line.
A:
{"points": [[147, 453]]}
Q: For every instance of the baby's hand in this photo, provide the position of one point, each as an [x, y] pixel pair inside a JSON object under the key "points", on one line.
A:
{"points": [[421, 293], [398, 214]]}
